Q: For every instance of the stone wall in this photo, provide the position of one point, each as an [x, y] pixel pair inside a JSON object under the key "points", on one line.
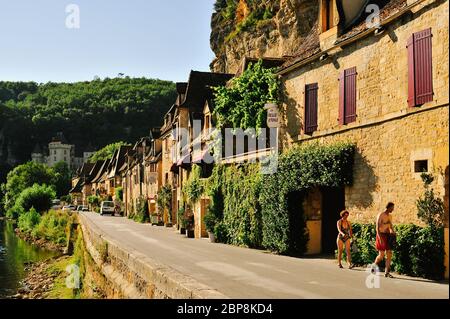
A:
{"points": [[389, 135], [129, 274]]}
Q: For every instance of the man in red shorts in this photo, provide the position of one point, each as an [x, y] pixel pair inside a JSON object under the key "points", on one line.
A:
{"points": [[385, 230]]}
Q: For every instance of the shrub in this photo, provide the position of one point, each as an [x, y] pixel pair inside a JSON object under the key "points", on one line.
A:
{"points": [[430, 209], [419, 251], [182, 217], [164, 199], [210, 221], [119, 193], [53, 227], [38, 196], [365, 235], [94, 201], [29, 220], [141, 215], [427, 253]]}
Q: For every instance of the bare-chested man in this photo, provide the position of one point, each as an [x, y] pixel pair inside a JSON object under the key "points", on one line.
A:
{"points": [[385, 229]]}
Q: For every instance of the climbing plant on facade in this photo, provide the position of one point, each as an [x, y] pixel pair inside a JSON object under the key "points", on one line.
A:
{"points": [[241, 103], [299, 170]]}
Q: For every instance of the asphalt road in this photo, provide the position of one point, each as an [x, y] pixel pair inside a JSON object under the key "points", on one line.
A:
{"points": [[246, 273]]}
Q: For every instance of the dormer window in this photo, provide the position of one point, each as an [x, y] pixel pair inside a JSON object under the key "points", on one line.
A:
{"points": [[327, 15]]}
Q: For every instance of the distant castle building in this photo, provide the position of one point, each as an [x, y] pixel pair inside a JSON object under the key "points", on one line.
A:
{"points": [[59, 150]]}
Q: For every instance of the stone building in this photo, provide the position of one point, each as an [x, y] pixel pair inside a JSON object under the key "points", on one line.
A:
{"points": [[382, 86], [60, 150]]}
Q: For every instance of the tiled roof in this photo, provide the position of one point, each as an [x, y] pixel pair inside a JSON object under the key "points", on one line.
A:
{"points": [[311, 44], [388, 9], [200, 86]]}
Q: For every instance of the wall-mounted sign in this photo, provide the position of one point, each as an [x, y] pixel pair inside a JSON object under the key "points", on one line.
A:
{"points": [[272, 115]]}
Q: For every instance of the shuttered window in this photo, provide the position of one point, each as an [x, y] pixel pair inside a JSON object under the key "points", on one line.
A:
{"points": [[420, 74], [347, 96], [311, 108]]}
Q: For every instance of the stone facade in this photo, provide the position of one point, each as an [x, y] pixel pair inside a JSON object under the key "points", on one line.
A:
{"points": [[389, 135]]}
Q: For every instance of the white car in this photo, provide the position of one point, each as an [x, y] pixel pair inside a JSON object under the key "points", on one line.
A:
{"points": [[107, 207]]}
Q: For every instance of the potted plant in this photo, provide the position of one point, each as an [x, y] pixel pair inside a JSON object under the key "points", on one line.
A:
{"points": [[210, 223], [190, 233], [182, 221]]}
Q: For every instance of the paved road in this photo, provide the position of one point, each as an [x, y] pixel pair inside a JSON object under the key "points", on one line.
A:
{"points": [[247, 273]]}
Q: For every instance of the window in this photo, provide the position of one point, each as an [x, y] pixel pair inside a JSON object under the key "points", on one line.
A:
{"points": [[327, 15], [420, 73], [54, 158], [207, 122], [311, 108], [65, 152], [347, 96], [54, 152], [421, 166]]}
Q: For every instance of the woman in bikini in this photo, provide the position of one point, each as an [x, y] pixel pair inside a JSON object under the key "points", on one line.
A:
{"points": [[344, 237]]}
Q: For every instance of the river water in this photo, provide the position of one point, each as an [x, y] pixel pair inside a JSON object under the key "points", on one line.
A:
{"points": [[15, 253]]}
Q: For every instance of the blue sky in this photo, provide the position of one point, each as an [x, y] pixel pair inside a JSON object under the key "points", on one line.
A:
{"points": [[152, 38]]}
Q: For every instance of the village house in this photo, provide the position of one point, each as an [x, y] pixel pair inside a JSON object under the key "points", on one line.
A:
{"points": [[199, 89], [383, 87], [135, 186], [78, 183], [153, 173]]}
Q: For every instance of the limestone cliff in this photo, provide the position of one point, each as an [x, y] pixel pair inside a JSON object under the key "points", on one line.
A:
{"points": [[267, 28]]}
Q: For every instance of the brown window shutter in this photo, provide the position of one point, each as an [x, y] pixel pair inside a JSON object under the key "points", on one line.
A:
{"points": [[311, 106], [423, 66], [350, 95], [411, 73], [341, 118]]}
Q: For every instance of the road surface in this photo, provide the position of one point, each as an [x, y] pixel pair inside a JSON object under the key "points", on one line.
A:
{"points": [[247, 273]]}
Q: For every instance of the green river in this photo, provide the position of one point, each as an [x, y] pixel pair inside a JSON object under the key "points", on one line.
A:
{"points": [[15, 253]]}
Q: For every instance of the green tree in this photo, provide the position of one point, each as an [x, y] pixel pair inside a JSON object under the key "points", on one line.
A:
{"points": [[25, 176], [63, 178], [38, 196]]}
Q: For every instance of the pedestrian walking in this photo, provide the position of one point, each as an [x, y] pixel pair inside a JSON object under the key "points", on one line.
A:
{"points": [[385, 239], [344, 238]]}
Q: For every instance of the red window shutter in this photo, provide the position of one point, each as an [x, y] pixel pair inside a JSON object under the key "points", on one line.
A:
{"points": [[350, 95], [311, 107], [341, 118], [423, 67], [411, 73]]}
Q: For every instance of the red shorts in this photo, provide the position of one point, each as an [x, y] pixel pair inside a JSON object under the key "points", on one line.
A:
{"points": [[382, 242]]}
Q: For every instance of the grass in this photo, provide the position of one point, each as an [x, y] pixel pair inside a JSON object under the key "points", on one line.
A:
{"points": [[60, 267]]}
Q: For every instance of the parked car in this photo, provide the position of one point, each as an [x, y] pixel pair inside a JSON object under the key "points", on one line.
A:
{"points": [[56, 204], [82, 208], [73, 207], [107, 207], [66, 208]]}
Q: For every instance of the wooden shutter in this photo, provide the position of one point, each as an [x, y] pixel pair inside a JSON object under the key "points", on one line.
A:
{"points": [[311, 106], [350, 95], [420, 68], [411, 73], [423, 67], [347, 96], [341, 118]]}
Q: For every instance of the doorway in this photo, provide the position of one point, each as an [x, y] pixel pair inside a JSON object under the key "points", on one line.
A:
{"points": [[333, 202]]}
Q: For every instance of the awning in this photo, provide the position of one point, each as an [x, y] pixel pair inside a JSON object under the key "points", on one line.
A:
{"points": [[174, 168], [199, 158], [184, 161]]}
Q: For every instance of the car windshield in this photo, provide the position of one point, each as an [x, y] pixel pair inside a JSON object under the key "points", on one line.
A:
{"points": [[108, 204]]}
